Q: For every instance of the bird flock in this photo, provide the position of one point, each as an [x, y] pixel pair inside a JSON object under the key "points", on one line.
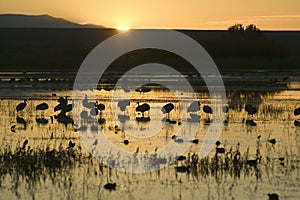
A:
{"points": [[63, 108]]}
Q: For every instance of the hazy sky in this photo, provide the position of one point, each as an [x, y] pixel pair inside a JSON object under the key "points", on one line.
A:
{"points": [[191, 14]]}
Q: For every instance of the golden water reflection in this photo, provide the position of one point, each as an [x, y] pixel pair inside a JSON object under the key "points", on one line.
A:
{"points": [[274, 119]]}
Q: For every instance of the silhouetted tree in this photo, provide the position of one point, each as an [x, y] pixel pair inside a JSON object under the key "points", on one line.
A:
{"points": [[250, 42], [252, 27], [237, 27]]}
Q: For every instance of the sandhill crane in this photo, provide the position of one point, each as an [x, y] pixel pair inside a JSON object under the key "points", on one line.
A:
{"points": [[166, 109], [142, 108], [100, 107], [207, 109], [110, 186], [42, 106], [194, 107], [123, 104], [86, 103], [143, 89], [250, 109], [21, 106], [297, 111]]}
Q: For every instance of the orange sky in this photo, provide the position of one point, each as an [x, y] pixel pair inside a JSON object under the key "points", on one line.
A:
{"points": [[175, 14]]}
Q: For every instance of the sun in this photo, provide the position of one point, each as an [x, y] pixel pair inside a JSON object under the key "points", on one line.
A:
{"points": [[123, 27]]}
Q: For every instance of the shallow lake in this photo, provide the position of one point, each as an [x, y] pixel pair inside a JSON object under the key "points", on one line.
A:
{"points": [[260, 157]]}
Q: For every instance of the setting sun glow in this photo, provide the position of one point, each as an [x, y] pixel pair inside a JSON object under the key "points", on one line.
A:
{"points": [[123, 27]]}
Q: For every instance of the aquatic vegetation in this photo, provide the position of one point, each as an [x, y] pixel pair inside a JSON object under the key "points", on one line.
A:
{"points": [[38, 165]]}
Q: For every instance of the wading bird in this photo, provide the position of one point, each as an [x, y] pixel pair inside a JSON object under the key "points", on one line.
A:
{"points": [[110, 186], [86, 103], [297, 111], [21, 106], [166, 109], [142, 108], [42, 106], [273, 196], [143, 89], [250, 109], [225, 109], [123, 104], [207, 109], [100, 107], [218, 148], [194, 107]]}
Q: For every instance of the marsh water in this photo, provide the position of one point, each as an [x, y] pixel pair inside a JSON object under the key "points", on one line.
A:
{"points": [[79, 175]]}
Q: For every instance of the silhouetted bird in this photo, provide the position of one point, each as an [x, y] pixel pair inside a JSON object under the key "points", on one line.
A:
{"points": [[86, 103], [225, 109], [273, 196], [67, 108], [21, 120], [13, 128], [297, 111], [250, 109], [194, 107], [24, 144], [180, 158], [101, 107], [71, 144], [218, 148], [110, 186], [62, 104], [143, 89], [62, 100], [166, 109], [142, 108], [272, 141], [207, 109], [84, 114], [58, 107], [94, 112], [195, 141], [22, 105], [123, 104], [42, 106]]}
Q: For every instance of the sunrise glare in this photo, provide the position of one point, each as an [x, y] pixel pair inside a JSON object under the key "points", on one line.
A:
{"points": [[123, 27], [193, 14]]}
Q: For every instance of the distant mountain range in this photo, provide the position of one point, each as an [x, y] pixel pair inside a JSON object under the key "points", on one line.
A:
{"points": [[39, 21]]}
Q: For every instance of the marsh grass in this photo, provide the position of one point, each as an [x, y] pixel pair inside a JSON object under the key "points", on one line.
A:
{"points": [[35, 167]]}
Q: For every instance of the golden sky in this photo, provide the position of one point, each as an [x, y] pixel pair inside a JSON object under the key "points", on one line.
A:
{"points": [[175, 14]]}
